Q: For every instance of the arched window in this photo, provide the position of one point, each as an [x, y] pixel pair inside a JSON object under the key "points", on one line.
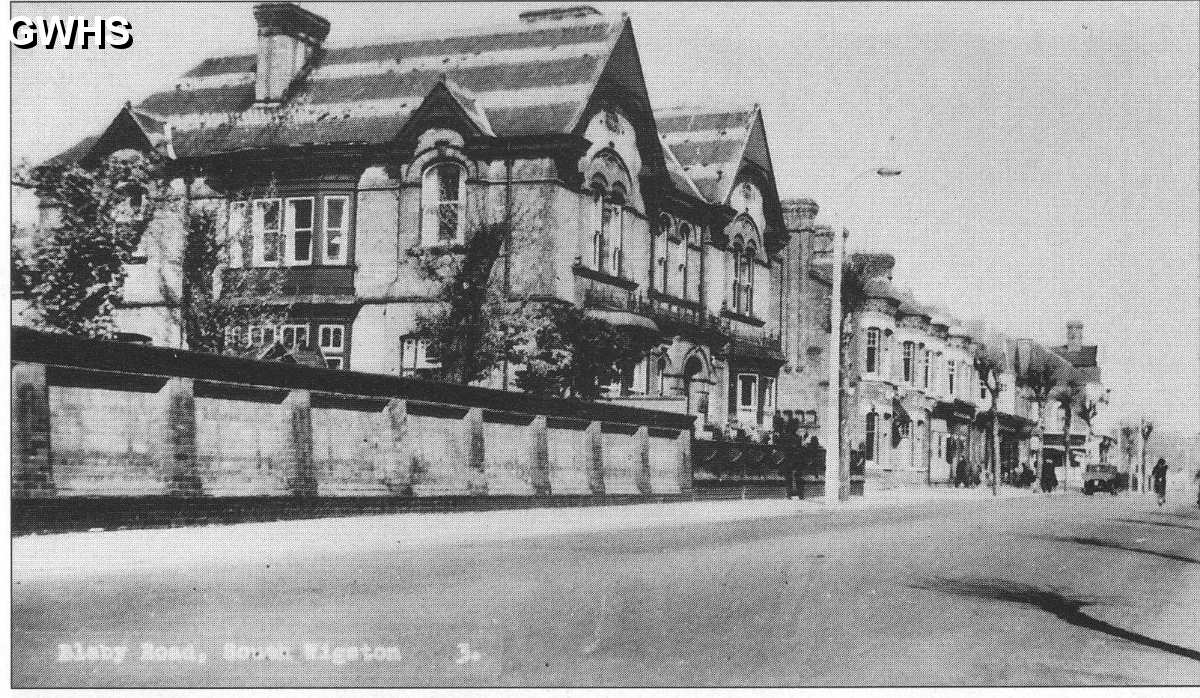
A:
{"points": [[909, 359], [665, 228], [443, 192], [873, 350], [599, 188], [661, 374], [748, 276], [613, 226], [737, 247], [685, 236], [610, 186]]}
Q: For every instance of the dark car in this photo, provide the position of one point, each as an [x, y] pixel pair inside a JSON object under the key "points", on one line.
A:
{"points": [[1102, 478]]}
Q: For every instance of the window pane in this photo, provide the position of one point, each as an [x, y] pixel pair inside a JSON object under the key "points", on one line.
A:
{"points": [[335, 213], [447, 221], [333, 245], [447, 176], [301, 211], [748, 384]]}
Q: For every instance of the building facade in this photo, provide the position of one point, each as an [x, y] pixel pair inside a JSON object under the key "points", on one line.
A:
{"points": [[345, 168]]}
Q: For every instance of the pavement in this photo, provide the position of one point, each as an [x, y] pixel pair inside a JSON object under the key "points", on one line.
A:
{"points": [[918, 587]]}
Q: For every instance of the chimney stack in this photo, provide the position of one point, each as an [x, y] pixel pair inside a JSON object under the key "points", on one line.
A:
{"points": [[288, 35], [1074, 336]]}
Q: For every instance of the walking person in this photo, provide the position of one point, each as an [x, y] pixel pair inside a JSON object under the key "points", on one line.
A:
{"points": [[1159, 475]]}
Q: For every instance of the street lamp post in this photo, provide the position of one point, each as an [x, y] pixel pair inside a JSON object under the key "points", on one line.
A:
{"points": [[837, 468]]}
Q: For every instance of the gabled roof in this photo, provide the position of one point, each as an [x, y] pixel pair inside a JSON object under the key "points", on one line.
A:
{"points": [[524, 80], [709, 144], [131, 128]]}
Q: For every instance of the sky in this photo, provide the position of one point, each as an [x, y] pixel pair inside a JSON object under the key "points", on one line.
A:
{"points": [[1050, 153]]}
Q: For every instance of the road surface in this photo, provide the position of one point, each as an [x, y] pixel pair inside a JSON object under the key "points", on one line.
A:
{"points": [[1031, 590]]}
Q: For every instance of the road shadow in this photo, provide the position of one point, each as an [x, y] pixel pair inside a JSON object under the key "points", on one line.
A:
{"points": [[1158, 523], [1066, 608], [1118, 546]]}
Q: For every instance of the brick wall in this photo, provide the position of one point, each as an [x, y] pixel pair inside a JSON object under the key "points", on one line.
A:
{"points": [[108, 419]]}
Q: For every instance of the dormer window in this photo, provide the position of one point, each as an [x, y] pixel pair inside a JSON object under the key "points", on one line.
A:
{"points": [[443, 189]]}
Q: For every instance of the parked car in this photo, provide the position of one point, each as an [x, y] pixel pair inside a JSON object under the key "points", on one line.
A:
{"points": [[1103, 478]]}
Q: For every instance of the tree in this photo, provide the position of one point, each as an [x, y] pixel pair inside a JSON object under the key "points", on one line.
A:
{"points": [[568, 354], [1089, 409], [1041, 377], [855, 278], [1068, 395], [212, 298], [78, 263], [989, 364], [482, 325], [1129, 436]]}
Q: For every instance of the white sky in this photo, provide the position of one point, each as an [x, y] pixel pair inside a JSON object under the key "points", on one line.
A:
{"points": [[1051, 153]]}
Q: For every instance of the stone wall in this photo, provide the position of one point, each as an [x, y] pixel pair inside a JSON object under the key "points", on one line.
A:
{"points": [[109, 419]]}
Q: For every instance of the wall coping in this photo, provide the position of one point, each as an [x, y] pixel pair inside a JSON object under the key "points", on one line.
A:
{"points": [[32, 346]]}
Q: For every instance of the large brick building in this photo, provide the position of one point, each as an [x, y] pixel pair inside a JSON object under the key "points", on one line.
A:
{"points": [[343, 165]]}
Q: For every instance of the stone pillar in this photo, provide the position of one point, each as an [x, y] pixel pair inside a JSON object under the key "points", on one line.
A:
{"points": [[298, 452], [32, 468], [684, 441], [594, 442], [641, 477], [539, 456], [183, 476], [476, 465], [399, 474]]}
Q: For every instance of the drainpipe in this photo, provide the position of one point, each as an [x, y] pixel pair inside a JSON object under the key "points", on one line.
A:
{"points": [[508, 180]]}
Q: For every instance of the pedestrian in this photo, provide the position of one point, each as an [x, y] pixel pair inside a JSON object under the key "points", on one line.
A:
{"points": [[1159, 474], [779, 426], [1049, 477], [961, 479]]}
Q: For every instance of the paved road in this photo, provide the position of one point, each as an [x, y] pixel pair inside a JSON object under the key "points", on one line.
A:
{"points": [[1030, 590]]}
